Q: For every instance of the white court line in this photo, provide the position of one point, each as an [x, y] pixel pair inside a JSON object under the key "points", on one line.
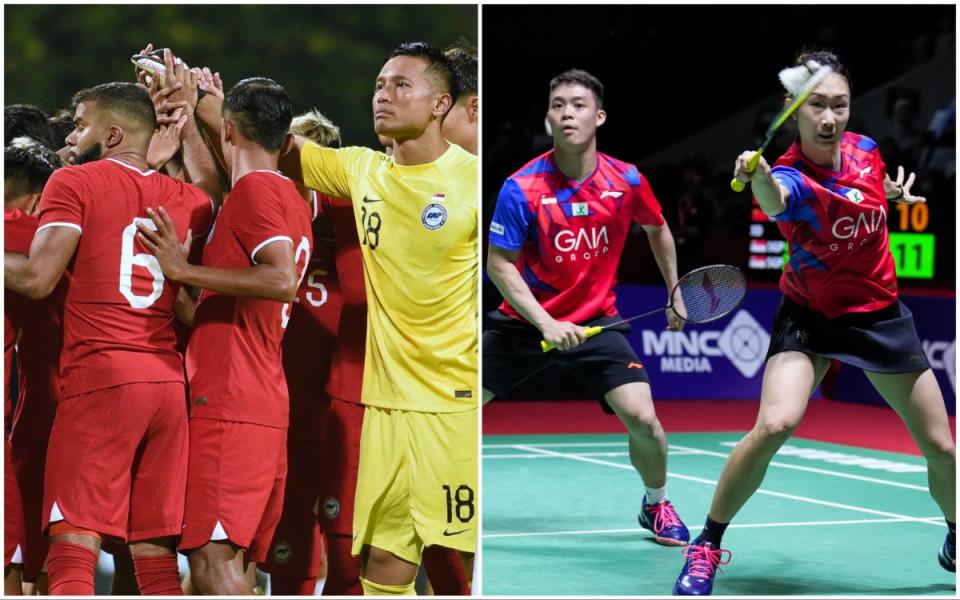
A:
{"points": [[561, 445], [606, 454], [687, 450], [938, 520], [868, 511], [908, 486]]}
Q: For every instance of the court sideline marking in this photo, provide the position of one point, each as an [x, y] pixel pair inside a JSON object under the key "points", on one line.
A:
{"points": [[687, 450], [713, 482], [938, 520]]}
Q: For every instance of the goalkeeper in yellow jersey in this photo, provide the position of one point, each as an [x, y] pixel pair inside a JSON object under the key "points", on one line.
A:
{"points": [[416, 215]]}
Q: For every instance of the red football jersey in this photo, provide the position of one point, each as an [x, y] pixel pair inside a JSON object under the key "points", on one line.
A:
{"points": [[570, 234], [314, 318], [233, 359], [119, 307], [346, 367], [40, 327]]}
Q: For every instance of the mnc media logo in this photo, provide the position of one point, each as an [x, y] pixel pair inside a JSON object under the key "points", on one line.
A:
{"points": [[743, 342]]}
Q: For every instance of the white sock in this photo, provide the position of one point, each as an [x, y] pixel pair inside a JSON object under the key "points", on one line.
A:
{"points": [[655, 495]]}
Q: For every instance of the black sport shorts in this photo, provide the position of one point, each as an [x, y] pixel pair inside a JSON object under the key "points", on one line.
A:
{"points": [[512, 353], [882, 341]]}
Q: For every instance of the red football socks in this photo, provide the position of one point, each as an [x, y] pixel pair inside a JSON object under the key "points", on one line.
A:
{"points": [[158, 575], [286, 585], [71, 569], [343, 570], [445, 571]]}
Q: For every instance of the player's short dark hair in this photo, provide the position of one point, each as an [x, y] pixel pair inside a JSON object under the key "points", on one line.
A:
{"points": [[464, 60], [438, 65], [262, 111], [61, 124], [27, 165], [125, 100], [579, 77], [26, 120], [826, 58]]}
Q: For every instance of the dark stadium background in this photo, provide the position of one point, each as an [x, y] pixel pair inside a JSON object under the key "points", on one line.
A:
{"points": [[326, 56], [671, 72], [689, 87]]}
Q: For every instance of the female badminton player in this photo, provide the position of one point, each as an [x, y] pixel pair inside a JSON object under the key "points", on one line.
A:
{"points": [[829, 196]]}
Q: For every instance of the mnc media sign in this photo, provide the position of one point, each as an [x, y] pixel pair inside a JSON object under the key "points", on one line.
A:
{"points": [[723, 359]]}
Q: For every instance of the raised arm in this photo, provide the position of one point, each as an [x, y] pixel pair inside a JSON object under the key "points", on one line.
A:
{"points": [[770, 195], [198, 160]]}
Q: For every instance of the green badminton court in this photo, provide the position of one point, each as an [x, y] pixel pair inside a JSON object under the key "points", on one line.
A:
{"points": [[560, 518]]}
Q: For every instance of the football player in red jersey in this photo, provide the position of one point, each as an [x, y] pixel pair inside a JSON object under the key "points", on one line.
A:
{"points": [[555, 243], [36, 328], [296, 559], [116, 456], [253, 261], [840, 303]]}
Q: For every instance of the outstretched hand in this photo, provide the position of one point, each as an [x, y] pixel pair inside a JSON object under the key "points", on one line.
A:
{"points": [[161, 240], [165, 142], [188, 80], [901, 188], [211, 83]]}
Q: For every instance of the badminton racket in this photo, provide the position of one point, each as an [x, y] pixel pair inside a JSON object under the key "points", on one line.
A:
{"points": [[701, 296], [800, 90]]}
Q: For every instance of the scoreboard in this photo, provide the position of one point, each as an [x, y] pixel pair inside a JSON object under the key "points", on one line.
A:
{"points": [[912, 244]]}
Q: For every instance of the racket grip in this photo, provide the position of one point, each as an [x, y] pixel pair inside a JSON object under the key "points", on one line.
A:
{"points": [[737, 185], [589, 331]]}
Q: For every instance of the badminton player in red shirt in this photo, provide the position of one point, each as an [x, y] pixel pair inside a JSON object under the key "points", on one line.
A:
{"points": [[555, 243], [829, 195]]}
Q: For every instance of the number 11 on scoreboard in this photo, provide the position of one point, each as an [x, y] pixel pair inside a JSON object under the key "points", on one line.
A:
{"points": [[913, 253]]}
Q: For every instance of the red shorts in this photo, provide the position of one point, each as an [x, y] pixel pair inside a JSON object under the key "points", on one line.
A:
{"points": [[341, 458], [235, 485], [29, 459], [116, 463], [12, 509]]}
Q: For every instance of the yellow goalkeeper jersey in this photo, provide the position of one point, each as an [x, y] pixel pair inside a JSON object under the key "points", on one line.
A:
{"points": [[419, 237]]}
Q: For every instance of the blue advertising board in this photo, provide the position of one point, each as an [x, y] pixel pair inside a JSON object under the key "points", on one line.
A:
{"points": [[724, 359]]}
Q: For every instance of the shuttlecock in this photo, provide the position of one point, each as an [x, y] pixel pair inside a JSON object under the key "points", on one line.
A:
{"points": [[794, 78]]}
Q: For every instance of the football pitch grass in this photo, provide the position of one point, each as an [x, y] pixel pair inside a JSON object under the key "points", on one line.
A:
{"points": [[560, 518]]}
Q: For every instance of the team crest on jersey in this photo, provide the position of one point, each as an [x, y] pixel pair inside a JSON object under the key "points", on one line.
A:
{"points": [[855, 196], [282, 552], [434, 216], [331, 507], [580, 209]]}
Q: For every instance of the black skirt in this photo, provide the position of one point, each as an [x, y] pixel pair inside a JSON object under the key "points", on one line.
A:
{"points": [[883, 341]]}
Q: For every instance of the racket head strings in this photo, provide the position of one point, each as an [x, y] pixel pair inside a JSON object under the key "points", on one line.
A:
{"points": [[708, 293]]}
